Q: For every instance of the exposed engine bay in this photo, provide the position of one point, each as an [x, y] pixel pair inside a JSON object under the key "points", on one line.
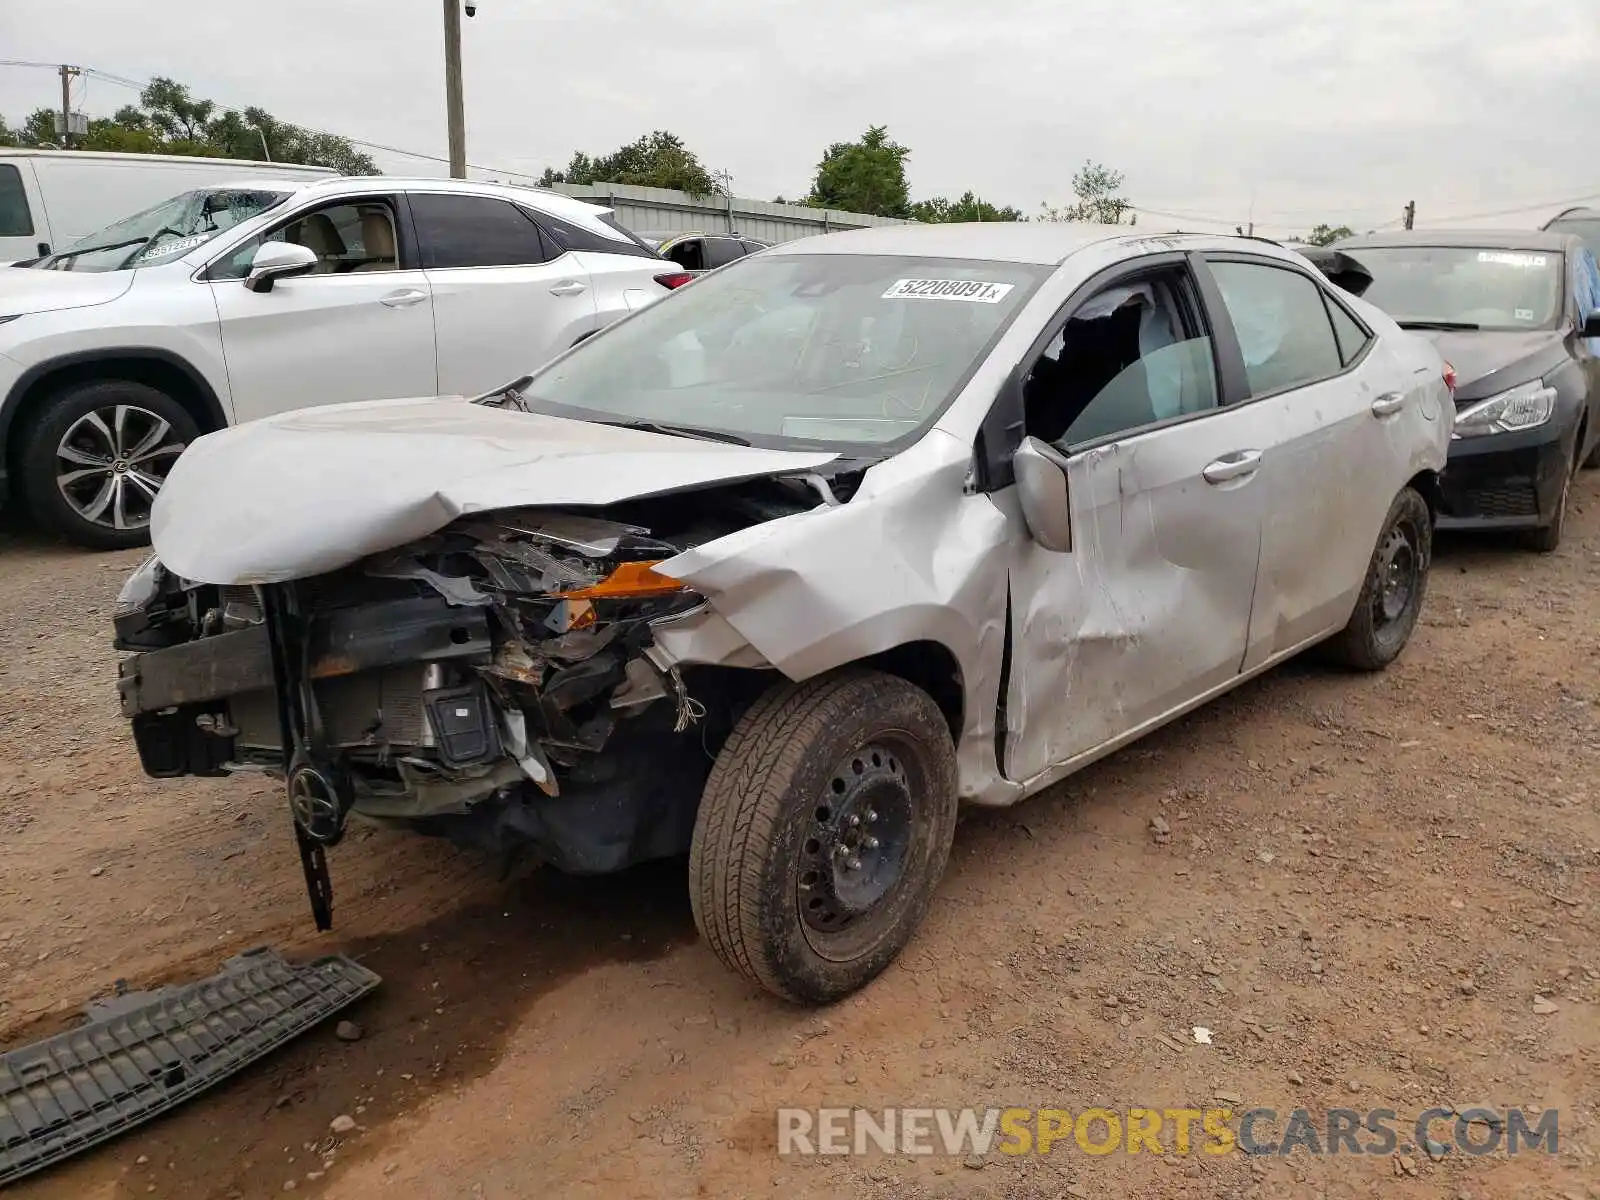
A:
{"points": [[493, 683]]}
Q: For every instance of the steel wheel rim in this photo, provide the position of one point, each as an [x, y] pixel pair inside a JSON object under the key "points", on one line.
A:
{"points": [[1398, 568], [858, 840], [112, 461]]}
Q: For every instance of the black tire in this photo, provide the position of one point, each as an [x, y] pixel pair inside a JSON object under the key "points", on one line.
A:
{"points": [[62, 416], [1392, 594], [773, 894], [1547, 538]]}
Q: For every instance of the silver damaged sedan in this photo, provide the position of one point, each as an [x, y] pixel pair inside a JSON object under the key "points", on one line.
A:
{"points": [[780, 571]]}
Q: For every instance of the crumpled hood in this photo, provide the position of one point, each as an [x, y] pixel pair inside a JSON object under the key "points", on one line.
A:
{"points": [[310, 491], [1491, 360], [26, 290]]}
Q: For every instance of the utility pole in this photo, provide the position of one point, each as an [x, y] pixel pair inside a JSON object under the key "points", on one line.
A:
{"points": [[1411, 213], [454, 104], [66, 105]]}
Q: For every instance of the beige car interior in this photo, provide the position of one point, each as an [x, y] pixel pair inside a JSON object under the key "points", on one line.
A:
{"points": [[374, 241]]}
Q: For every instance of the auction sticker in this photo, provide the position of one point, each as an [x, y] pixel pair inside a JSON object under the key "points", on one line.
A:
{"points": [[973, 291], [1507, 259], [167, 249]]}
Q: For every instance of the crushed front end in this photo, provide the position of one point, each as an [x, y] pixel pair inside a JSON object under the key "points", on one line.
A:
{"points": [[496, 683]]}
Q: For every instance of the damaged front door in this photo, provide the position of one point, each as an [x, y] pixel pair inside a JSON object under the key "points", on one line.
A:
{"points": [[1150, 608]]}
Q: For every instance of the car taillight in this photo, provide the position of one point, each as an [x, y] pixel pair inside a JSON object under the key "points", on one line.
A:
{"points": [[1450, 379], [674, 279]]}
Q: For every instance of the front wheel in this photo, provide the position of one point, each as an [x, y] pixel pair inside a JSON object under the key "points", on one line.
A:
{"points": [[95, 457], [1547, 538], [1391, 596], [823, 830]]}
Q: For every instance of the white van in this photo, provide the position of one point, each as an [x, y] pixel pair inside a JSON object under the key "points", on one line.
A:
{"points": [[51, 198]]}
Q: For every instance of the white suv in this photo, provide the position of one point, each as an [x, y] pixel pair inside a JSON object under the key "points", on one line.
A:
{"points": [[232, 302]]}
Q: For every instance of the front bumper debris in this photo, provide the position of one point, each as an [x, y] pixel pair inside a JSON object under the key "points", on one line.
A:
{"points": [[143, 1053], [346, 642]]}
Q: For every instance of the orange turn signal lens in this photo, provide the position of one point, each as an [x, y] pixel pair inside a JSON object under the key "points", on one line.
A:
{"points": [[630, 581]]}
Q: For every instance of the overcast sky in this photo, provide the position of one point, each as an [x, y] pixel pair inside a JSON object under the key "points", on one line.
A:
{"points": [[1295, 111]]}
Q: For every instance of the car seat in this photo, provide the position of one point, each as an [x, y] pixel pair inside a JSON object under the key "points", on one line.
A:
{"points": [[377, 240], [318, 234]]}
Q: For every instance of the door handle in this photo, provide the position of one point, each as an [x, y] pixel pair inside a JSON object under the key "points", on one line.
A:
{"points": [[1388, 404], [569, 287], [1237, 465], [404, 298]]}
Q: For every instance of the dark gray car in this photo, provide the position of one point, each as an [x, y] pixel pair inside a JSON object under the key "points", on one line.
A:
{"points": [[696, 252], [1517, 314]]}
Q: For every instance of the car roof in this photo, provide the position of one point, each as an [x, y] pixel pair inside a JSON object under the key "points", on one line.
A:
{"points": [[556, 203], [1042, 243], [1467, 239], [256, 182]]}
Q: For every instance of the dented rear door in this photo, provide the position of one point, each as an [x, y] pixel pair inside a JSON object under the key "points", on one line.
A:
{"points": [[1150, 609]]}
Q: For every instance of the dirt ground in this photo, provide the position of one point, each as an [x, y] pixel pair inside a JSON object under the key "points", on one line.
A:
{"points": [[1366, 883]]}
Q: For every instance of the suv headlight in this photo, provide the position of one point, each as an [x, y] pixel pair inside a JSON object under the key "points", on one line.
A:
{"points": [[1522, 407]]}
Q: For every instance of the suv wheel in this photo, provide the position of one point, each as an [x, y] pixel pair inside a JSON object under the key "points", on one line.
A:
{"points": [[95, 457], [822, 832]]}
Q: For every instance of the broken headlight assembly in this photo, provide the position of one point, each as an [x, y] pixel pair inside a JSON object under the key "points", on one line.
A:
{"points": [[1525, 406], [140, 589]]}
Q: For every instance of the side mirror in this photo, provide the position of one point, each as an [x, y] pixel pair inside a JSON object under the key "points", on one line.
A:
{"points": [[1591, 325], [1042, 488], [278, 260]]}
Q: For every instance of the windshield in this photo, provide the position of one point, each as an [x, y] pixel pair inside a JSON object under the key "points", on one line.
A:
{"points": [[834, 349], [160, 234], [1463, 286]]}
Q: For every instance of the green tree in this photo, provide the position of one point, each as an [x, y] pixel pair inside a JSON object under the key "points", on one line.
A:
{"points": [[39, 129], [658, 159], [1326, 235], [176, 115], [115, 136], [168, 120], [1099, 198], [967, 208], [865, 176]]}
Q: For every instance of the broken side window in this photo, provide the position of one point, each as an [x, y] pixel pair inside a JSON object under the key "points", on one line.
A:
{"points": [[1130, 357]]}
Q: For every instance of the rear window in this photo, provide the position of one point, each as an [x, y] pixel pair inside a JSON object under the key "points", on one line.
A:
{"points": [[570, 235], [15, 219]]}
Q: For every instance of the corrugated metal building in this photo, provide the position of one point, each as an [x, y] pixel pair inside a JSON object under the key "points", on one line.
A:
{"points": [[660, 209]]}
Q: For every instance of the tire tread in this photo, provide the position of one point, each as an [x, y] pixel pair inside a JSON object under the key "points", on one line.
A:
{"points": [[745, 804]]}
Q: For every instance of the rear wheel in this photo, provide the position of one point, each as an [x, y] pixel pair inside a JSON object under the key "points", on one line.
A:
{"points": [[1391, 596], [95, 457], [823, 830]]}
